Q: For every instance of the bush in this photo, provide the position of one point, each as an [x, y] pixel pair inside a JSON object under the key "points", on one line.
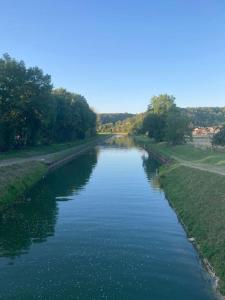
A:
{"points": [[219, 137]]}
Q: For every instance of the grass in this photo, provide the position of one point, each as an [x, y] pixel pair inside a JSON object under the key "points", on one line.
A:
{"points": [[16, 179], [42, 149], [185, 152], [198, 197]]}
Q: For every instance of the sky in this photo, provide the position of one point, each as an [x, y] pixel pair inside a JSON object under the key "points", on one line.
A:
{"points": [[120, 53]]}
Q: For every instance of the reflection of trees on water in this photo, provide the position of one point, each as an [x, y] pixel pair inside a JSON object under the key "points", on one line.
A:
{"points": [[151, 166], [66, 180], [120, 141], [33, 221]]}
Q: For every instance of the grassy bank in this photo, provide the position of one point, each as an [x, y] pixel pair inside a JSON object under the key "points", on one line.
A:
{"points": [[15, 180], [185, 152], [198, 197], [27, 167], [43, 149]]}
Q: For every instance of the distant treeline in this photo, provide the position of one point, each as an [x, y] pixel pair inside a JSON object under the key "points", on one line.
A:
{"points": [[162, 121], [205, 116], [198, 116], [32, 112], [106, 118], [128, 125]]}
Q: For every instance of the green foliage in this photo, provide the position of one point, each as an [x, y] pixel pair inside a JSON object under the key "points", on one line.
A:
{"points": [[219, 137], [205, 116], [129, 125], [31, 113], [24, 103], [74, 119], [154, 126], [161, 104], [165, 122], [177, 127], [106, 118]]}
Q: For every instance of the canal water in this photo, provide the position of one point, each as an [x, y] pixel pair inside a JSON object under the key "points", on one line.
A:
{"points": [[99, 227]]}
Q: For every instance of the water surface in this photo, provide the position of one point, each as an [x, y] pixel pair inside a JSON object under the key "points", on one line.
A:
{"points": [[99, 228]]}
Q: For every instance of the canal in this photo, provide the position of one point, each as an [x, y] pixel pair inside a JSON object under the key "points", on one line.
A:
{"points": [[99, 227]]}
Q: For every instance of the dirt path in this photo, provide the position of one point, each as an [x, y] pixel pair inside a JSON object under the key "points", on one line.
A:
{"points": [[13, 161], [71, 152], [52, 158], [202, 167]]}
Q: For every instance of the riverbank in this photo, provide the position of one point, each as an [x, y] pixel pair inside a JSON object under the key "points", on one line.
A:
{"points": [[198, 198], [20, 172]]}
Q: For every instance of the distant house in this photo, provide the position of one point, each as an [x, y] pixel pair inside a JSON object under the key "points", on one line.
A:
{"points": [[205, 131]]}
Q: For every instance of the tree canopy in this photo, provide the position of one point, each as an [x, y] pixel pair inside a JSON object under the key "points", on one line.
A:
{"points": [[166, 122], [31, 112], [161, 104], [205, 116], [219, 137], [105, 118], [129, 125]]}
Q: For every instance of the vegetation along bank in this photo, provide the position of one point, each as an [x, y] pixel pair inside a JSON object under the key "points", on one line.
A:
{"points": [[33, 113], [21, 172], [40, 126], [197, 195]]}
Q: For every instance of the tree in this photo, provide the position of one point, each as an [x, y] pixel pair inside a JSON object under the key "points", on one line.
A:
{"points": [[154, 126], [161, 104], [31, 113], [131, 125], [219, 137], [74, 118], [35, 106], [24, 103], [205, 116], [12, 75], [165, 122], [177, 127]]}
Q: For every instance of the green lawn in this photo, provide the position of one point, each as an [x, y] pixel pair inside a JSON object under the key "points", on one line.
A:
{"points": [[16, 179], [185, 152], [42, 150], [199, 200]]}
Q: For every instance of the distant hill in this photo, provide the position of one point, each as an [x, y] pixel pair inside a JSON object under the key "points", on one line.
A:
{"points": [[127, 125], [125, 122], [205, 116], [106, 118]]}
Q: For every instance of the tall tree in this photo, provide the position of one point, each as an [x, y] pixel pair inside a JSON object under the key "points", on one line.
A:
{"points": [[161, 104], [165, 122], [74, 118], [154, 126], [31, 113], [177, 127], [219, 137]]}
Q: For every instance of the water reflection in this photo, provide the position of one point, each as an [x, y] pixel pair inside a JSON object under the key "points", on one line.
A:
{"points": [[151, 166], [120, 141], [33, 221], [119, 239]]}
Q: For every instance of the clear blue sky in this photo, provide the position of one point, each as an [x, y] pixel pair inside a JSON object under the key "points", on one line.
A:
{"points": [[119, 53]]}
